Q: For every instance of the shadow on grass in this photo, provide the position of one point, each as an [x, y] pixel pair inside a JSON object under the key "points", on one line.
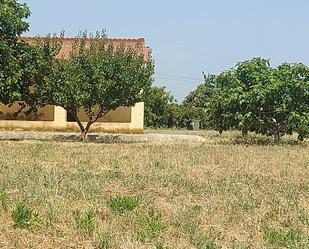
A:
{"points": [[253, 140]]}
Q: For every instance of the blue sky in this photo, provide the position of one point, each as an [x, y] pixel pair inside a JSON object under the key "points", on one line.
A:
{"points": [[188, 37]]}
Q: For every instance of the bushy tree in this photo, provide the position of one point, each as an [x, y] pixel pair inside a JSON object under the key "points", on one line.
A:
{"points": [[253, 96], [237, 100], [98, 77], [181, 116], [285, 103]]}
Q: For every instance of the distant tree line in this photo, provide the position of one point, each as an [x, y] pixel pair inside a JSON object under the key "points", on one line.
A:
{"points": [[163, 111], [251, 97]]}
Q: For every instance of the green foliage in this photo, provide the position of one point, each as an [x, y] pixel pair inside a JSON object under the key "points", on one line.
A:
{"points": [[201, 95], [13, 24], [23, 65], [103, 241], [285, 104], [162, 111], [255, 97], [38, 66], [85, 221], [121, 204], [23, 216], [157, 103], [287, 239], [12, 19], [181, 116], [98, 77], [151, 225]]}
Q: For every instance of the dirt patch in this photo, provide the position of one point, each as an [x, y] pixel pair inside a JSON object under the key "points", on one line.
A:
{"points": [[99, 137]]}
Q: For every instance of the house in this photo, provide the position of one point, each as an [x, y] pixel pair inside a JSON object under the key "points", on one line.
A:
{"points": [[123, 119]]}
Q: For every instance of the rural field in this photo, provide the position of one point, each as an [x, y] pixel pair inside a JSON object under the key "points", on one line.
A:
{"points": [[223, 193]]}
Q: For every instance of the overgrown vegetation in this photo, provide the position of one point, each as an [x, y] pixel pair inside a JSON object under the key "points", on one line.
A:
{"points": [[219, 194]]}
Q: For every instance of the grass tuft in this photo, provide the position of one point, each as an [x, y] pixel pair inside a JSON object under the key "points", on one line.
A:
{"points": [[85, 221], [23, 217], [121, 204]]}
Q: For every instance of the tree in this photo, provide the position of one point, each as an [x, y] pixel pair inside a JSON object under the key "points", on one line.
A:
{"points": [[98, 77], [37, 66], [201, 95], [237, 100], [157, 107], [256, 97], [23, 66], [285, 103], [12, 50]]}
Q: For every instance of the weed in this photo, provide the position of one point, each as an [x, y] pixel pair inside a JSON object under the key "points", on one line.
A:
{"points": [[4, 201], [151, 225], [23, 216], [3, 166], [103, 241], [158, 165], [160, 245], [112, 174], [121, 204], [202, 242], [52, 215], [85, 221], [285, 238]]}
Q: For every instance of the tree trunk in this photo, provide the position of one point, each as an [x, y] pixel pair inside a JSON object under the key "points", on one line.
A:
{"points": [[83, 136], [244, 131], [277, 136], [84, 132]]}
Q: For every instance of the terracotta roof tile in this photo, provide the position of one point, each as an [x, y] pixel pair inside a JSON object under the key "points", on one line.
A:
{"points": [[112, 39]]}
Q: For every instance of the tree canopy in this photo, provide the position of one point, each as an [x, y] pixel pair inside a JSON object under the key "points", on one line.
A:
{"points": [[157, 107], [200, 96], [13, 52], [253, 96], [98, 77]]}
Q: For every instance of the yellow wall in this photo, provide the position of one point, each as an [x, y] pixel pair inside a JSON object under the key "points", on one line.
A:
{"points": [[120, 115], [123, 120], [44, 114]]}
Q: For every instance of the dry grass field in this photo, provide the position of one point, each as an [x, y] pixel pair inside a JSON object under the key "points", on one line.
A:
{"points": [[224, 193]]}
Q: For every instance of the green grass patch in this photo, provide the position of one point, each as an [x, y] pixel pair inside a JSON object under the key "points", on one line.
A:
{"points": [[122, 204]]}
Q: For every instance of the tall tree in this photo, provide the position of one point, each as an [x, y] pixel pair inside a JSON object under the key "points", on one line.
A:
{"points": [[98, 77]]}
